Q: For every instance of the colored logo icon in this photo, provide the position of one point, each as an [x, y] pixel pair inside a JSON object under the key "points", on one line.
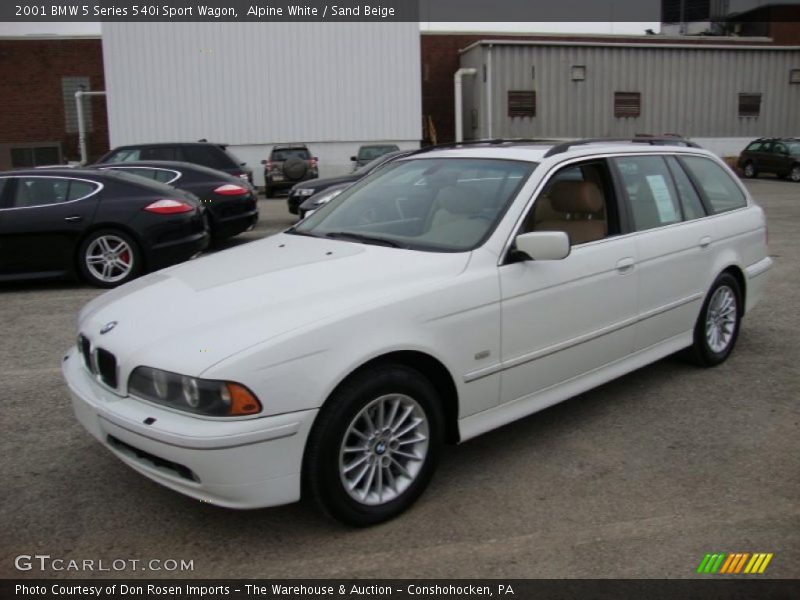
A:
{"points": [[734, 563]]}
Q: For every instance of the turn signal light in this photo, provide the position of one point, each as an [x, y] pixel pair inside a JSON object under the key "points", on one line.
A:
{"points": [[169, 207], [242, 401], [231, 189]]}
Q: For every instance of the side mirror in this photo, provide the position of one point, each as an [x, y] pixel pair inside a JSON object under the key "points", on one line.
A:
{"points": [[353, 158], [543, 245]]}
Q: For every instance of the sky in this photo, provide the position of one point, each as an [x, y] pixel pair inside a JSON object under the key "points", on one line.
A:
{"points": [[92, 28]]}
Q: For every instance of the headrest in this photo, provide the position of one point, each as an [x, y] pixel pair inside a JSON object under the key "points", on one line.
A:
{"points": [[582, 197], [460, 200]]}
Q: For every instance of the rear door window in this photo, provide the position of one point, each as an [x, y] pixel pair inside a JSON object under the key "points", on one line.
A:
{"points": [[719, 189], [160, 153], [43, 191], [652, 197], [690, 200]]}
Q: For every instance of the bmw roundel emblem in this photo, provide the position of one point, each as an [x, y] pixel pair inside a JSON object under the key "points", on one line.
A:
{"points": [[108, 327]]}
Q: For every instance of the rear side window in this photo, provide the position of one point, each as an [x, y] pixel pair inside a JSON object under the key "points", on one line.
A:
{"points": [[755, 147], [690, 200], [652, 197], [79, 189], [162, 175], [208, 156], [720, 190]]}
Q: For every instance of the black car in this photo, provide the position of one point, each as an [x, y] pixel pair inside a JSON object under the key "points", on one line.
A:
{"points": [[207, 154], [780, 156], [106, 226], [288, 164], [321, 198], [302, 191], [231, 203]]}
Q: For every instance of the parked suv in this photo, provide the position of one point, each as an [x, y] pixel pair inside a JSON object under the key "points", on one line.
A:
{"points": [[780, 156], [288, 165], [207, 154]]}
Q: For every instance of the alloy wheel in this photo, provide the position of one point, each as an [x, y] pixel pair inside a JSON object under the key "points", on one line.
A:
{"points": [[384, 449], [109, 258], [721, 319]]}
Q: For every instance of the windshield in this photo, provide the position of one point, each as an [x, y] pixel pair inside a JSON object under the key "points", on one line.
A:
{"points": [[444, 204]]}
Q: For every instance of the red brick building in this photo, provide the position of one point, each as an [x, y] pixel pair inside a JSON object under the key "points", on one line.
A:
{"points": [[38, 120]]}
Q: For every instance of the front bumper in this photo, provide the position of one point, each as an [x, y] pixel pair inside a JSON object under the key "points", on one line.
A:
{"points": [[247, 463]]}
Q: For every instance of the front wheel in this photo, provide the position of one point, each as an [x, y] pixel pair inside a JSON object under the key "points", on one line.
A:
{"points": [[375, 445], [717, 326], [794, 173], [108, 258]]}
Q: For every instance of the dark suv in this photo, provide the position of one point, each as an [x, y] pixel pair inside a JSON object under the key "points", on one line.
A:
{"points": [[214, 156], [772, 155], [287, 165]]}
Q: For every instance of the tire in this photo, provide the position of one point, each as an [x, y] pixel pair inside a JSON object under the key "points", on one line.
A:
{"points": [[382, 479], [750, 170], [717, 327], [267, 191], [794, 173], [108, 258]]}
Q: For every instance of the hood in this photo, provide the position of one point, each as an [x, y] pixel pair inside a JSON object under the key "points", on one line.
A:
{"points": [[191, 316]]}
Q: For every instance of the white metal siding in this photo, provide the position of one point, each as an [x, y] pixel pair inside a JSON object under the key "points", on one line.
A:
{"points": [[689, 91], [262, 83]]}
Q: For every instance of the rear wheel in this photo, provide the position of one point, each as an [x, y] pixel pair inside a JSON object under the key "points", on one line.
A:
{"points": [[717, 326], [108, 258], [375, 445], [750, 170]]}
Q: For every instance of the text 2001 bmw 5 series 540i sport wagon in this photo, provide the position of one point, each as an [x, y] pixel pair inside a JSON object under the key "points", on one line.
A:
{"points": [[447, 294]]}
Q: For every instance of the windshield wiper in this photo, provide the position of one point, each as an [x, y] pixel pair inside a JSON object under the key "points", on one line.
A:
{"points": [[361, 237], [294, 231]]}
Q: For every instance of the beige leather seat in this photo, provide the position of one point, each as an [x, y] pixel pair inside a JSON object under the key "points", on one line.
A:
{"points": [[457, 220], [579, 211]]}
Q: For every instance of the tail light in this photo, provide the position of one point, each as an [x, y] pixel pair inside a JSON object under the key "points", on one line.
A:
{"points": [[169, 207], [314, 162], [269, 165], [231, 189]]}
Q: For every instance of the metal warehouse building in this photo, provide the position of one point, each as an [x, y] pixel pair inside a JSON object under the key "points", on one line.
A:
{"points": [[333, 86], [719, 95]]}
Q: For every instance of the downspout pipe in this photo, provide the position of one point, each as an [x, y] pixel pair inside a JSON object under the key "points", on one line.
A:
{"points": [[81, 123], [457, 83]]}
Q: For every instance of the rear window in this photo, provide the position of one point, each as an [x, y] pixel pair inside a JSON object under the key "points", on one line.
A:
{"points": [[718, 187], [124, 155], [366, 153], [284, 154], [209, 156]]}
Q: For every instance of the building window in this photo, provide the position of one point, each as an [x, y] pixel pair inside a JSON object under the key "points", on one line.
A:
{"points": [[578, 72], [627, 104], [35, 156], [794, 76], [749, 105], [521, 104]]}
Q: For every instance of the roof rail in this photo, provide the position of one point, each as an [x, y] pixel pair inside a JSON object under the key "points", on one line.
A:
{"points": [[653, 141], [489, 142]]}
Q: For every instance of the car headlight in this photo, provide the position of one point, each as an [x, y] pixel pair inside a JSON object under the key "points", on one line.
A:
{"points": [[325, 198], [304, 192], [201, 396]]}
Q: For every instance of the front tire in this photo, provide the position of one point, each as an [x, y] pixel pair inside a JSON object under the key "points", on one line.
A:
{"points": [[794, 173], [375, 445], [108, 258], [717, 326]]}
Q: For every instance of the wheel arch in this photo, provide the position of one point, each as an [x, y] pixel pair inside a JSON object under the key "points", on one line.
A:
{"points": [[736, 272], [432, 369]]}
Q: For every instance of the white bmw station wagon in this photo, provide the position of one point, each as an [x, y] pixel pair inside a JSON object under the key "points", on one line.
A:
{"points": [[447, 294]]}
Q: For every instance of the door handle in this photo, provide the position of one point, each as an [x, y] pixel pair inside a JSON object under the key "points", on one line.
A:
{"points": [[705, 241], [74, 219], [624, 265]]}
